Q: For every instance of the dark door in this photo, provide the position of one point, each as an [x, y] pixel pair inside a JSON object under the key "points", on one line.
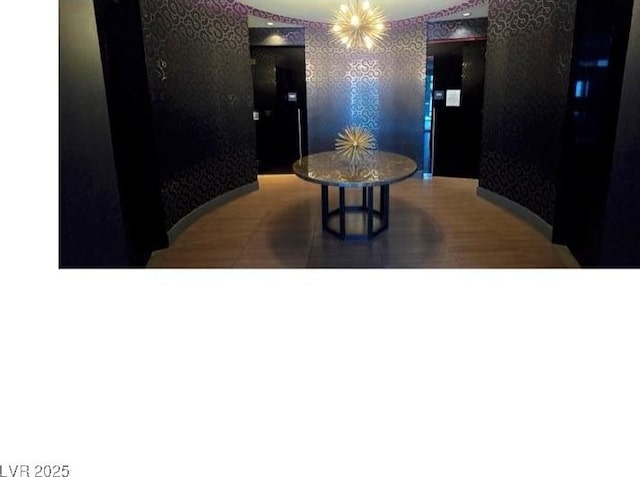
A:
{"points": [[600, 46], [457, 126], [280, 105]]}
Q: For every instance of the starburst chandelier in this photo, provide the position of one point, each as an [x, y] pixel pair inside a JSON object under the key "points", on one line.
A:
{"points": [[355, 142], [358, 24]]}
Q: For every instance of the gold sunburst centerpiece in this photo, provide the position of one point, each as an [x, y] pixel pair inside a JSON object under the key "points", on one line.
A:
{"points": [[358, 24], [354, 142]]}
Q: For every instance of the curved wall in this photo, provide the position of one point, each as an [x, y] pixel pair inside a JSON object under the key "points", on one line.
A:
{"points": [[198, 65], [202, 99], [528, 65]]}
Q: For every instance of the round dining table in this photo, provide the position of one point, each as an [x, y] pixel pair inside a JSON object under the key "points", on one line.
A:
{"points": [[374, 170]]}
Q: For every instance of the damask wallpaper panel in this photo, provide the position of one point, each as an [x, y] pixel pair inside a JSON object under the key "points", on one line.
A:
{"points": [[382, 90], [201, 91], [528, 65]]}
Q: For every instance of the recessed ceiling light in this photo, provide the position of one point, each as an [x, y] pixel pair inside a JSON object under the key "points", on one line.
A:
{"points": [[466, 14]]}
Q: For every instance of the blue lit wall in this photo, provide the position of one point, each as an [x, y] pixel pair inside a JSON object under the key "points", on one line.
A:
{"points": [[382, 90], [364, 92]]}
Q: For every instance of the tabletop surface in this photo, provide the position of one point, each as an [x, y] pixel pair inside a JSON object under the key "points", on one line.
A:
{"points": [[375, 169]]}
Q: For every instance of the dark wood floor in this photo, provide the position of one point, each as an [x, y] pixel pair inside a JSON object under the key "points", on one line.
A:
{"points": [[437, 223]]}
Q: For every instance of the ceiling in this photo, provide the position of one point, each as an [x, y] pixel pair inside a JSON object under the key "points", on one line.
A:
{"points": [[322, 10]]}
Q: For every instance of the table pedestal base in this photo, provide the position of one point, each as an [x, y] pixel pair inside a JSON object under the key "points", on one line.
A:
{"points": [[367, 209]]}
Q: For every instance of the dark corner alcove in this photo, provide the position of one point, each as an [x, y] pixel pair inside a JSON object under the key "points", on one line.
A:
{"points": [[169, 130], [125, 77], [97, 224], [597, 71], [557, 139]]}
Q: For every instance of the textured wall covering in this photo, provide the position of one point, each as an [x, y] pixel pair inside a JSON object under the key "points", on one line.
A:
{"points": [[527, 78], [276, 36], [382, 90], [475, 28], [621, 245], [201, 88], [92, 232], [202, 98]]}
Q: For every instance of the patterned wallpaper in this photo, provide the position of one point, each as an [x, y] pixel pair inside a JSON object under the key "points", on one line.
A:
{"points": [[475, 28], [202, 98], [201, 89], [527, 78], [382, 90], [622, 224]]}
